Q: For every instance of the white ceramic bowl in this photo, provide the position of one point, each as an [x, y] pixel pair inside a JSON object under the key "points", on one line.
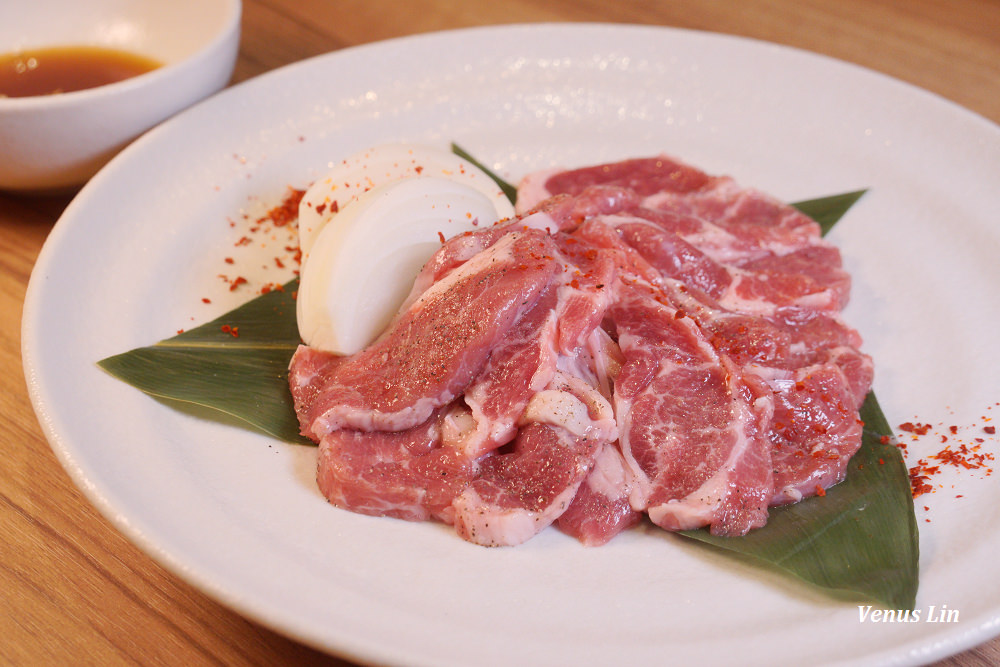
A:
{"points": [[59, 141]]}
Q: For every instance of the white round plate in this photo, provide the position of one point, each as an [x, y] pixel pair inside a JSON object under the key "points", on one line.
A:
{"points": [[239, 515]]}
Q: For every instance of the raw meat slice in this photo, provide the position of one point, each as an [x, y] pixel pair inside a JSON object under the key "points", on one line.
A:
{"points": [[672, 256], [713, 213], [564, 213], [761, 293], [819, 262], [521, 365], [433, 350], [815, 431], [693, 432], [858, 369], [643, 176], [521, 492], [717, 243], [789, 338], [810, 277], [403, 474], [584, 291], [747, 214], [601, 508], [452, 254]]}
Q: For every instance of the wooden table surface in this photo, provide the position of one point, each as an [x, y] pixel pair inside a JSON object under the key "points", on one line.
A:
{"points": [[74, 591]]}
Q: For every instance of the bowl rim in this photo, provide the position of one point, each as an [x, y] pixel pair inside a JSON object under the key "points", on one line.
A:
{"points": [[229, 27]]}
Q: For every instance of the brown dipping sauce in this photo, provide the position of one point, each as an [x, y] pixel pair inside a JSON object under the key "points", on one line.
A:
{"points": [[65, 69]]}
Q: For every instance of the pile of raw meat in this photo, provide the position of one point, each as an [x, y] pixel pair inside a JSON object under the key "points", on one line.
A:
{"points": [[642, 338]]}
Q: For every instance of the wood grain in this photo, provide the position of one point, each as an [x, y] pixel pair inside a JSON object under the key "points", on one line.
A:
{"points": [[74, 591]]}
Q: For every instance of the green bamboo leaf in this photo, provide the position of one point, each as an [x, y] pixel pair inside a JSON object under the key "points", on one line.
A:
{"points": [[859, 539], [827, 211], [232, 368], [507, 188]]}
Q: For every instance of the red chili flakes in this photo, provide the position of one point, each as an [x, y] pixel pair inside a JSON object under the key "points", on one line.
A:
{"points": [[820, 491], [920, 482], [205, 299], [267, 229], [963, 456], [232, 331], [288, 209], [959, 453], [917, 429], [272, 287]]}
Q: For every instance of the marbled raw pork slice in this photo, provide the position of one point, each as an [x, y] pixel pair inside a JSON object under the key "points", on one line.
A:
{"points": [[564, 424], [524, 362], [747, 214], [692, 429], [409, 474], [729, 223], [521, 365], [431, 352], [670, 255], [819, 263], [643, 176], [811, 362], [711, 239], [816, 428], [810, 277], [789, 338], [519, 492], [602, 508]]}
